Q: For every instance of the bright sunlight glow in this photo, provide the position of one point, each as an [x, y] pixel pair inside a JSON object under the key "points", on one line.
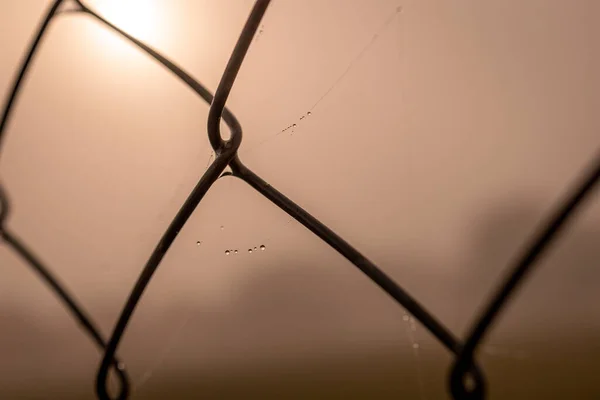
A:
{"points": [[140, 18], [143, 19]]}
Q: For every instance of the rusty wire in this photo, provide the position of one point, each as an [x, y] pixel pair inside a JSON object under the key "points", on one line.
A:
{"points": [[466, 380]]}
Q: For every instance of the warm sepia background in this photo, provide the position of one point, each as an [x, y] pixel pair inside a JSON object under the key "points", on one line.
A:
{"points": [[438, 138]]}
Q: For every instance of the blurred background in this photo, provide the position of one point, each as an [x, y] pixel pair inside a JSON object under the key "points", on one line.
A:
{"points": [[432, 135]]}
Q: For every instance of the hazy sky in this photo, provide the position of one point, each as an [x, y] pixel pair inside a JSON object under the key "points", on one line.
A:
{"points": [[437, 138]]}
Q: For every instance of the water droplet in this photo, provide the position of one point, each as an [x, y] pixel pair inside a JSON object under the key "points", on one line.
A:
{"points": [[222, 227], [249, 250], [415, 345], [227, 252], [235, 251], [309, 113], [293, 126], [263, 247], [198, 243], [255, 249], [405, 318]]}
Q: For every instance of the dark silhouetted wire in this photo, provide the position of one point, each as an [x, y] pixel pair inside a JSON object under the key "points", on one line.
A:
{"points": [[386, 283], [68, 300], [226, 155], [77, 311], [8, 106], [17, 245], [524, 265], [204, 93], [225, 151]]}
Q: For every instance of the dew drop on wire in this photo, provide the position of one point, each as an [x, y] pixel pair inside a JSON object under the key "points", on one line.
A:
{"points": [[198, 243], [222, 227], [263, 247], [235, 252], [293, 126], [255, 249], [227, 252], [309, 113], [249, 250]]}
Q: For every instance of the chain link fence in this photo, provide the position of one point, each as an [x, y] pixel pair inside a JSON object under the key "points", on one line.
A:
{"points": [[466, 380]]}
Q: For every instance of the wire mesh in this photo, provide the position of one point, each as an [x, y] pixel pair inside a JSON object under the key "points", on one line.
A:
{"points": [[466, 379]]}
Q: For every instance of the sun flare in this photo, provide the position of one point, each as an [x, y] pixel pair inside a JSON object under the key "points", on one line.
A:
{"points": [[140, 18], [145, 20]]}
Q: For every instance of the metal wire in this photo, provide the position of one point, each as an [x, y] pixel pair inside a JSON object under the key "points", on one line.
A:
{"points": [[466, 379]]}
